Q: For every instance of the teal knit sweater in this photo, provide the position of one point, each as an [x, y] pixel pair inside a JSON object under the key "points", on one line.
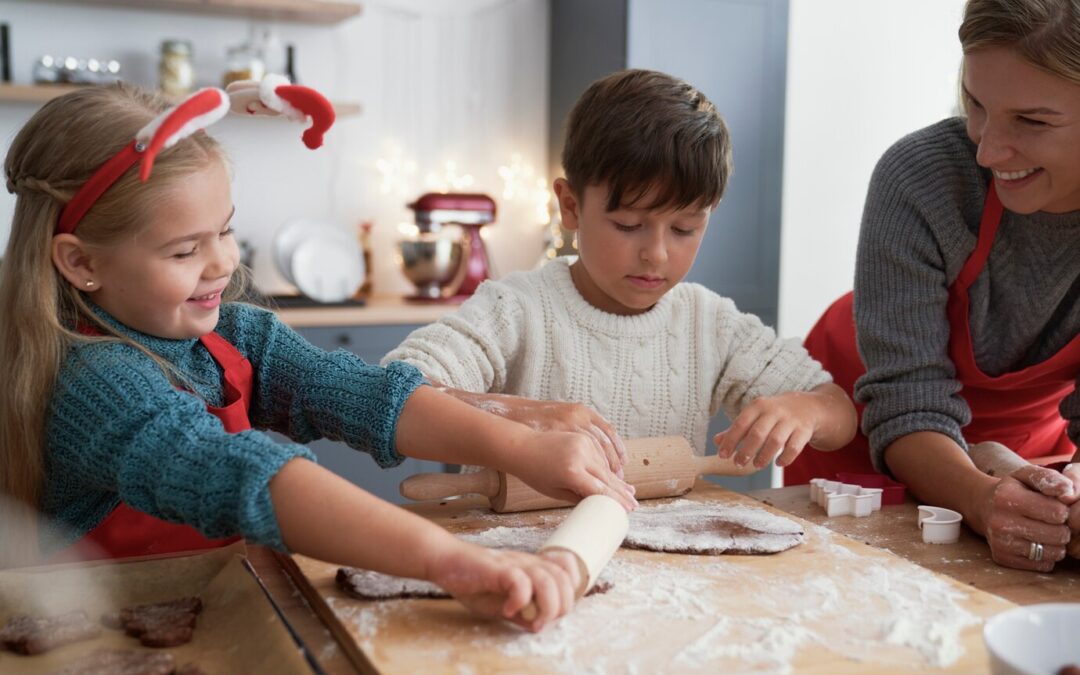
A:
{"points": [[119, 430]]}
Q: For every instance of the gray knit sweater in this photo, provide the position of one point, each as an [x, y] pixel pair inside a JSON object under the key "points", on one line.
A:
{"points": [[919, 226]]}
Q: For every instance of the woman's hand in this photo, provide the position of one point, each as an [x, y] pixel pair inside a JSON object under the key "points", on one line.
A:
{"points": [[551, 416], [502, 583], [1014, 516], [567, 465], [779, 427]]}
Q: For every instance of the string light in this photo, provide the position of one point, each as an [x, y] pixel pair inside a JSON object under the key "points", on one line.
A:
{"points": [[449, 180], [396, 171]]}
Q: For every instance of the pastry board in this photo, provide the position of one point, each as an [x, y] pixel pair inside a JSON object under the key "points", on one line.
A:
{"points": [[830, 605], [238, 630]]}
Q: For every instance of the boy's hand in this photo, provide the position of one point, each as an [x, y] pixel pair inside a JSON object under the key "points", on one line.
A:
{"points": [[550, 416], [568, 466], [501, 583], [772, 427]]}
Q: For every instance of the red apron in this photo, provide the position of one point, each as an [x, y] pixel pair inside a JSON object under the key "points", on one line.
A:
{"points": [[126, 532], [1018, 409]]}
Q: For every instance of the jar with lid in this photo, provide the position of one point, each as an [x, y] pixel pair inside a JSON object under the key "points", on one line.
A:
{"points": [[244, 62], [176, 76]]}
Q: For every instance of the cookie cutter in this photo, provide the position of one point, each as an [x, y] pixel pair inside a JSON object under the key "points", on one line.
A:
{"points": [[844, 499], [939, 525], [892, 492]]}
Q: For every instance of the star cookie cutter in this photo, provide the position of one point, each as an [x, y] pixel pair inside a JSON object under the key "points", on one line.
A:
{"points": [[844, 499]]}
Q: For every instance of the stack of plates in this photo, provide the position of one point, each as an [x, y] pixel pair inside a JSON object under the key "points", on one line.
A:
{"points": [[321, 260]]}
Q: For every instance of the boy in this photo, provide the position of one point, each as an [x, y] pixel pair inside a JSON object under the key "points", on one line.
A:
{"points": [[647, 158]]}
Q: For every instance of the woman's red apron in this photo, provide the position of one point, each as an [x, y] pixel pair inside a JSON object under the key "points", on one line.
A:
{"points": [[1018, 409], [126, 532]]}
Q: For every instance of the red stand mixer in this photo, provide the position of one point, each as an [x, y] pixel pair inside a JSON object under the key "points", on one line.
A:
{"points": [[470, 212]]}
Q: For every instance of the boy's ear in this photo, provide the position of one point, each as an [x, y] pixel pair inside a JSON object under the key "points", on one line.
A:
{"points": [[569, 204], [74, 262]]}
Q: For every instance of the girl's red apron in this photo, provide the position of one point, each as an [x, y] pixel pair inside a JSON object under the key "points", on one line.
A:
{"points": [[1018, 409], [126, 532]]}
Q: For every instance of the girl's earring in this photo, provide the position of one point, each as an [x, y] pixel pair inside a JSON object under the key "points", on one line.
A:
{"points": [[89, 283]]}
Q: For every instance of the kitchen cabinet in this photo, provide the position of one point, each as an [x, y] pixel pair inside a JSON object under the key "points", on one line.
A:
{"points": [[735, 52]]}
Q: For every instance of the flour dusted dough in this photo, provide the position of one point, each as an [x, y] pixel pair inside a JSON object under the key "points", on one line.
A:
{"points": [[684, 526], [368, 585]]}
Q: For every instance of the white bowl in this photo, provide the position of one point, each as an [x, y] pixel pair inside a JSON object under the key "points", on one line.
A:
{"points": [[1034, 640]]}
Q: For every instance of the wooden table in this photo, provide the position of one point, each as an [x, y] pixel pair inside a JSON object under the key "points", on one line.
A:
{"points": [[892, 528], [895, 529]]}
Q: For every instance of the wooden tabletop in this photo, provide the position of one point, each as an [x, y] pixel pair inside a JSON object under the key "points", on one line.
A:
{"points": [[895, 528]]}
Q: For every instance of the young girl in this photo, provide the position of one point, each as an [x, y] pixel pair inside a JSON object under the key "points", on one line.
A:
{"points": [[647, 158], [133, 392]]}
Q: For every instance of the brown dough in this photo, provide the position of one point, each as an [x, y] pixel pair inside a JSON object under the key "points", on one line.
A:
{"points": [[368, 585], [684, 526]]}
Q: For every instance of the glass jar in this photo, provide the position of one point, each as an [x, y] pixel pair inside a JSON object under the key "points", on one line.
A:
{"points": [[244, 62], [176, 76]]}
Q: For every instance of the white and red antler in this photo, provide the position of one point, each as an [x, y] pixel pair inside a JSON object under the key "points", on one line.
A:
{"points": [[195, 112], [275, 95]]}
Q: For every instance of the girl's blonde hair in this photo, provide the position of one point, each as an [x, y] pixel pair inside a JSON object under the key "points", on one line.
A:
{"points": [[1046, 33], [52, 156]]}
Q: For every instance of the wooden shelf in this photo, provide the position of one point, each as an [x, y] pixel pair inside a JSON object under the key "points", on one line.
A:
{"points": [[307, 11], [40, 93]]}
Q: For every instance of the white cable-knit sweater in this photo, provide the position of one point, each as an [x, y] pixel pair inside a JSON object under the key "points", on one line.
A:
{"points": [[661, 373]]}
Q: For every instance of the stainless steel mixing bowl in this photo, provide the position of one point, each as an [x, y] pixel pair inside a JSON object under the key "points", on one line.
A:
{"points": [[430, 263]]}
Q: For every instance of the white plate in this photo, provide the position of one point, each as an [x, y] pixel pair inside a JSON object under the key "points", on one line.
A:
{"points": [[326, 270], [293, 233]]}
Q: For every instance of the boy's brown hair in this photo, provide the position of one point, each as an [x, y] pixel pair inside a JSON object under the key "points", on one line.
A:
{"points": [[642, 130]]}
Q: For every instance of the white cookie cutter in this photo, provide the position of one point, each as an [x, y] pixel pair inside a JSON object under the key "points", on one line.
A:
{"points": [[939, 525], [844, 499]]}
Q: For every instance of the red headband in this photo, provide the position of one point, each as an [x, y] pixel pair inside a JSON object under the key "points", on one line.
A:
{"points": [[272, 97]]}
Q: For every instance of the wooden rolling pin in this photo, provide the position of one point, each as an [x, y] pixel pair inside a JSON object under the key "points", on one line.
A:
{"points": [[592, 532], [656, 467]]}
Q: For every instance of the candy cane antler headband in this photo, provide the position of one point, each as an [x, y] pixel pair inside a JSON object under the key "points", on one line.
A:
{"points": [[274, 96]]}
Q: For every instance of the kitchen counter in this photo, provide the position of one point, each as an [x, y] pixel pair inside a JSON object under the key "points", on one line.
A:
{"points": [[403, 631], [378, 311]]}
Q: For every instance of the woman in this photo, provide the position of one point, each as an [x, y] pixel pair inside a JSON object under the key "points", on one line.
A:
{"points": [[967, 287]]}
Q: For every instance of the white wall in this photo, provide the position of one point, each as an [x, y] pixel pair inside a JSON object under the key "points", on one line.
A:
{"points": [[860, 76], [463, 82]]}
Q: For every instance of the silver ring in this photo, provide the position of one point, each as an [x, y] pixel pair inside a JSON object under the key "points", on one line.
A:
{"points": [[1035, 552]]}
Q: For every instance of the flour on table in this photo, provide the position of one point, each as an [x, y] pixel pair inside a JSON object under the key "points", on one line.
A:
{"points": [[684, 526], [718, 614]]}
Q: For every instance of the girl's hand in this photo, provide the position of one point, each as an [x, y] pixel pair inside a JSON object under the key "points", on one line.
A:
{"points": [[502, 583], [1014, 516], [568, 466], [771, 427]]}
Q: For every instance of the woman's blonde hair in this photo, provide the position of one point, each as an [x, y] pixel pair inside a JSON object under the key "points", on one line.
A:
{"points": [[51, 157], [1046, 33]]}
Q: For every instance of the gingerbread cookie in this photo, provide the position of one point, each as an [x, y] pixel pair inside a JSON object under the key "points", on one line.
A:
{"points": [[161, 624], [31, 635], [120, 662]]}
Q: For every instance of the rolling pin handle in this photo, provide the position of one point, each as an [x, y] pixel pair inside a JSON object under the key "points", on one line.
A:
{"points": [[428, 486]]}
